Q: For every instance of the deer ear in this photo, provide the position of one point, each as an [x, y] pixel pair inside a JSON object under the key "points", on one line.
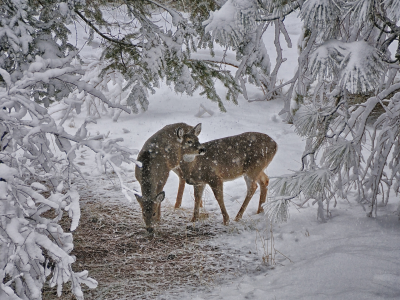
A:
{"points": [[160, 197], [180, 132], [139, 199], [197, 129]]}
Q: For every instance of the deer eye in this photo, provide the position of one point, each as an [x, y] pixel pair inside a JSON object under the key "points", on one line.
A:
{"points": [[154, 214], [190, 142]]}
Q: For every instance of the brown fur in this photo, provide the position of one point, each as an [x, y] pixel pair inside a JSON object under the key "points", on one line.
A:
{"points": [[160, 154], [246, 154]]}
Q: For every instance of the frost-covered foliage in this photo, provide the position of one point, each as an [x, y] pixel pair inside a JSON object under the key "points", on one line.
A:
{"points": [[238, 25], [148, 42], [34, 247], [344, 102], [37, 67], [111, 85]]}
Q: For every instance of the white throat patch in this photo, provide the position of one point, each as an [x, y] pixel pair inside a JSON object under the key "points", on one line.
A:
{"points": [[189, 157]]}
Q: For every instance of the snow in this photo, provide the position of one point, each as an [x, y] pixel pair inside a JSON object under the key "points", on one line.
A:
{"points": [[349, 256], [7, 173]]}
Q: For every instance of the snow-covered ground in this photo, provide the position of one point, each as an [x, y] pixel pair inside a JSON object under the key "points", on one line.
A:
{"points": [[350, 256]]}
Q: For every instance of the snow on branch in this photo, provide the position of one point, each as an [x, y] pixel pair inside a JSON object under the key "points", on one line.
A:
{"points": [[341, 154], [362, 11], [313, 184], [393, 9], [358, 65], [34, 249], [25, 234], [277, 209], [278, 9], [232, 21], [308, 121], [320, 14]]}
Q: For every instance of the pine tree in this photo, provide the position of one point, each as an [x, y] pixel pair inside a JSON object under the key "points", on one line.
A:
{"points": [[344, 102], [37, 67]]}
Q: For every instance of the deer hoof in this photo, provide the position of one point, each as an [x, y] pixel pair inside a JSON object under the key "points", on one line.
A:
{"points": [[260, 210], [238, 218], [194, 219]]}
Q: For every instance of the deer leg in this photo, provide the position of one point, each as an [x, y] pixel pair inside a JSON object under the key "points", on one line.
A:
{"points": [[251, 188], [181, 188], [217, 187], [263, 183], [180, 192], [160, 187], [198, 193]]}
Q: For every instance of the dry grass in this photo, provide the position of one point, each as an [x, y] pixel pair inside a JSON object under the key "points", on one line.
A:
{"points": [[112, 244]]}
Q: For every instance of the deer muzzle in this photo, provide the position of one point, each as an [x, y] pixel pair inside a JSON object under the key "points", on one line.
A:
{"points": [[202, 150]]}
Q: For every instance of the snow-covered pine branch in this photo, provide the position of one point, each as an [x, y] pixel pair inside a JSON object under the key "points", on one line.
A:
{"points": [[346, 72], [155, 46], [31, 243], [320, 14], [357, 66], [240, 25], [278, 9], [277, 210], [393, 9], [37, 67]]}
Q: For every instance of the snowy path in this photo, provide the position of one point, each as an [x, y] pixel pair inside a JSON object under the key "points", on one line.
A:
{"points": [[349, 257]]}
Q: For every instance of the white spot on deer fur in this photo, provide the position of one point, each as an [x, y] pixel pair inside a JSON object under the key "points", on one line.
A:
{"points": [[236, 160], [189, 157]]}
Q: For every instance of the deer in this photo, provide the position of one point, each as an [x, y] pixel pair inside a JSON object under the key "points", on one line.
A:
{"points": [[161, 154], [247, 154]]}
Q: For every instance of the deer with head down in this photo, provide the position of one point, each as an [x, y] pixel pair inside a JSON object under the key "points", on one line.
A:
{"points": [[162, 153], [246, 154]]}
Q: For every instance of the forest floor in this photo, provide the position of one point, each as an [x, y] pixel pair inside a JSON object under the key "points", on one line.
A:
{"points": [[130, 263], [347, 256]]}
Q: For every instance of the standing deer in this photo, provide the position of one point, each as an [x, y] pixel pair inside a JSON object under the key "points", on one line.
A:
{"points": [[226, 159], [162, 153]]}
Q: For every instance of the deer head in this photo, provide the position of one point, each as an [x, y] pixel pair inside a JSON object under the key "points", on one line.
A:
{"points": [[156, 166]]}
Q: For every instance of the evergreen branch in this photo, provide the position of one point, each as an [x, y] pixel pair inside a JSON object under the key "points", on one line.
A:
{"points": [[393, 26], [273, 18], [210, 61], [170, 11], [91, 25]]}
